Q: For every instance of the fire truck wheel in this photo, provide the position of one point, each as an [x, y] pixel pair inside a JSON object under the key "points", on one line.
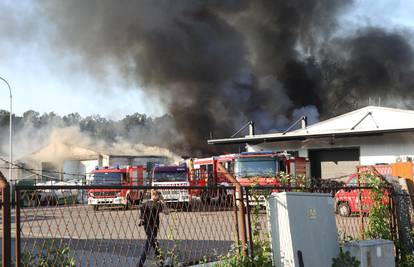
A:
{"points": [[229, 200], [187, 206], [95, 207], [344, 210], [222, 196], [51, 201], [205, 200], [128, 204], [31, 201]]}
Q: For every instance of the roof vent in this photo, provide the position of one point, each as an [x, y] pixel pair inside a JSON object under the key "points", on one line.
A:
{"points": [[250, 124], [304, 122], [251, 128]]}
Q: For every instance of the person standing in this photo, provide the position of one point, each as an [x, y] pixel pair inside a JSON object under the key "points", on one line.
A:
{"points": [[150, 219]]}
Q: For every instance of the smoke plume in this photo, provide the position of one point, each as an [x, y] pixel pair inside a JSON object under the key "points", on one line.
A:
{"points": [[218, 64], [50, 137], [71, 143]]}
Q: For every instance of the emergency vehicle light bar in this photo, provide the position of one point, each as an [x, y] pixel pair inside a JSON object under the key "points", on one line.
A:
{"points": [[257, 153]]}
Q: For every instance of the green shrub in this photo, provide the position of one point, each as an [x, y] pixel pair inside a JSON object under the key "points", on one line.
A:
{"points": [[50, 256], [345, 259], [379, 217], [261, 252], [406, 260]]}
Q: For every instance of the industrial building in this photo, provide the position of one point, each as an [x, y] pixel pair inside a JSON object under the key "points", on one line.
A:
{"points": [[367, 136], [63, 162]]}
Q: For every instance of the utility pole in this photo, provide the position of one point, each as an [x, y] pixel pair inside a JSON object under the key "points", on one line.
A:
{"points": [[10, 133]]}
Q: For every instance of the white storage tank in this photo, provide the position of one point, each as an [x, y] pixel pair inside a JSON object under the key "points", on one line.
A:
{"points": [[376, 252], [303, 229]]}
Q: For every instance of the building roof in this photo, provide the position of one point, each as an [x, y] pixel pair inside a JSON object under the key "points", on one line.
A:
{"points": [[60, 151], [370, 120]]}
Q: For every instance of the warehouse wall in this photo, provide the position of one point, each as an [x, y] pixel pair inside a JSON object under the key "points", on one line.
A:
{"points": [[385, 148]]}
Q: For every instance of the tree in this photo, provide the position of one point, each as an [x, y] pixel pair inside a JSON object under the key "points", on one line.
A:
{"points": [[72, 119]]}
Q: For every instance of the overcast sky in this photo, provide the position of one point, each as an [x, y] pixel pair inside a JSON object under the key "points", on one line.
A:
{"points": [[45, 82]]}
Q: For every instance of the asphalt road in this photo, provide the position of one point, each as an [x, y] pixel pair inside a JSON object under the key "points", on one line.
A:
{"points": [[112, 237]]}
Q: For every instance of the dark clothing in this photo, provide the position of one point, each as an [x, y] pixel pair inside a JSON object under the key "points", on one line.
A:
{"points": [[151, 241], [150, 219], [150, 216]]}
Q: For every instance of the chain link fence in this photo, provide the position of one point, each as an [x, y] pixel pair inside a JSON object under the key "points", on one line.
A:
{"points": [[352, 207], [64, 226], [84, 225]]}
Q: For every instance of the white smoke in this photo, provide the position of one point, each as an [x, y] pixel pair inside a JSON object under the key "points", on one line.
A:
{"points": [[71, 143]]}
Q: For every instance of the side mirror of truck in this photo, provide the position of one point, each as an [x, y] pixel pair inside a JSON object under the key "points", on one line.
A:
{"points": [[150, 166]]}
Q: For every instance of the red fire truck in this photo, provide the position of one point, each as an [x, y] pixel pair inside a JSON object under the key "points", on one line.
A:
{"points": [[176, 175], [250, 168], [127, 176]]}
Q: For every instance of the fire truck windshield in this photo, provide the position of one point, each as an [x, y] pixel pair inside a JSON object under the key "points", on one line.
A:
{"points": [[169, 176], [255, 167], [106, 178]]}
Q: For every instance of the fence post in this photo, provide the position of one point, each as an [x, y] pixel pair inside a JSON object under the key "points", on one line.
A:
{"points": [[395, 222], [242, 218], [17, 222], [240, 206], [361, 214], [249, 222], [235, 214], [6, 221]]}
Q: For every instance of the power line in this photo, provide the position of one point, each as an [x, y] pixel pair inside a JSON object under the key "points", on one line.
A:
{"points": [[40, 172]]}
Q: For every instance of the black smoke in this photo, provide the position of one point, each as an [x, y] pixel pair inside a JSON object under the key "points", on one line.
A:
{"points": [[372, 64], [218, 64]]}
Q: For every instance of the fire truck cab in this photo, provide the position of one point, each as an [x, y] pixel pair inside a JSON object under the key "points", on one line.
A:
{"points": [[175, 175], [250, 168], [263, 166], [126, 176]]}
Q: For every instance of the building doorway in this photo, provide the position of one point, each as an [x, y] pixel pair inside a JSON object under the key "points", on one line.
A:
{"points": [[333, 163]]}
